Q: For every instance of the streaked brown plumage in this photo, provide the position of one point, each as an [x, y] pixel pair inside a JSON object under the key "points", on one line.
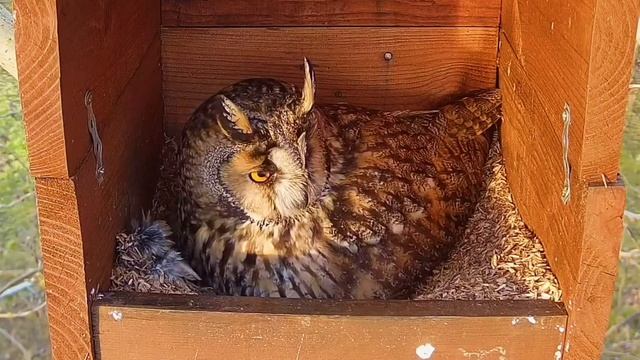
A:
{"points": [[357, 203]]}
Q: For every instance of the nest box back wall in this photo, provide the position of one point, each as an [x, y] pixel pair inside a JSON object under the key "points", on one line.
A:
{"points": [[385, 55]]}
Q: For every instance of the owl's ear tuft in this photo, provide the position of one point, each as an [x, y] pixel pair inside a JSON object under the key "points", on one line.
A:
{"points": [[309, 88], [233, 122]]}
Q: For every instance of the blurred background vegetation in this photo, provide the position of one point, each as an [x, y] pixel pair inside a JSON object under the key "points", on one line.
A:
{"points": [[623, 341], [23, 321]]}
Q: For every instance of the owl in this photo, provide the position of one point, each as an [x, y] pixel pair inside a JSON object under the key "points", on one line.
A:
{"points": [[282, 197]]}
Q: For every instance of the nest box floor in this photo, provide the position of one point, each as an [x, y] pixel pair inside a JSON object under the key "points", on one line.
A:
{"points": [[499, 258]]}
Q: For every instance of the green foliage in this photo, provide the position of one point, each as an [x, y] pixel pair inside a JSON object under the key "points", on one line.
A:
{"points": [[623, 342], [18, 236], [17, 203]]}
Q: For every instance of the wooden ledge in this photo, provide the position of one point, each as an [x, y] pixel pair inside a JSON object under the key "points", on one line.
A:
{"points": [[150, 326]]}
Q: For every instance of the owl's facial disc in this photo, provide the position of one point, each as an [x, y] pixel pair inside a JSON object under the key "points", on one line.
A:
{"points": [[268, 184]]}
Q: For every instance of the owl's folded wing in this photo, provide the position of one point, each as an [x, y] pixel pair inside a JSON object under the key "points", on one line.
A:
{"points": [[472, 115]]}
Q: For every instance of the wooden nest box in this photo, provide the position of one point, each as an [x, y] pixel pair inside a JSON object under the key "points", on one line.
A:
{"points": [[124, 73]]}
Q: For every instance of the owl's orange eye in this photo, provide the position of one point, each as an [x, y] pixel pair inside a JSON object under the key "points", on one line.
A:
{"points": [[259, 176]]}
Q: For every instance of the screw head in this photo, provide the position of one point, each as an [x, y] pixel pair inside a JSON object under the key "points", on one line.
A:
{"points": [[388, 56]]}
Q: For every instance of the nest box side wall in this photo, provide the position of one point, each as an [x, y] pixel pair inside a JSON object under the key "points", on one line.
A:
{"points": [[66, 49], [565, 99], [390, 55]]}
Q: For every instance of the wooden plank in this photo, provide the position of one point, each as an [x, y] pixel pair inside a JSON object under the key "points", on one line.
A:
{"points": [[79, 231], [66, 48], [62, 252], [131, 145], [331, 13], [566, 48], [39, 68], [590, 304], [208, 327], [82, 265], [552, 55], [543, 67], [429, 65], [614, 37]]}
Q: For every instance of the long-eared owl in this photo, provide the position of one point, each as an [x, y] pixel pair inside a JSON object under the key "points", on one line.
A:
{"points": [[282, 197]]}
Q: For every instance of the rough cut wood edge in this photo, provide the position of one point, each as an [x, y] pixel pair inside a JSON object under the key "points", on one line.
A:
{"points": [[533, 161], [79, 240], [331, 13], [429, 65], [566, 49], [66, 48], [551, 56], [38, 63], [590, 305], [613, 47], [545, 62], [7, 42], [207, 327], [64, 271]]}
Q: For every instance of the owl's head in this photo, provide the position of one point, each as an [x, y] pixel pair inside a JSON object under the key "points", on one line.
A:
{"points": [[262, 150]]}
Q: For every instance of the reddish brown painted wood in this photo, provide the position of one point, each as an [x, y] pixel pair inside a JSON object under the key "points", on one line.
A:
{"points": [[64, 49], [429, 66], [207, 327], [590, 304], [132, 147], [541, 74], [331, 13]]}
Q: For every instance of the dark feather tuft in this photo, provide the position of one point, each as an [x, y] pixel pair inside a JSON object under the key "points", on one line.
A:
{"points": [[147, 261]]}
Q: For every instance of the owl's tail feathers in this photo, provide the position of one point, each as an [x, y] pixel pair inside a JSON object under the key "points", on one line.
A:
{"points": [[473, 114]]}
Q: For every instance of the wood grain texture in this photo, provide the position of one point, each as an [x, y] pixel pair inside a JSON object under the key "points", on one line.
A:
{"points": [[532, 149], [331, 13], [102, 46], [249, 328], [590, 304], [79, 218], [429, 65], [614, 37], [547, 61], [566, 50], [38, 63], [132, 143], [66, 48], [64, 270]]}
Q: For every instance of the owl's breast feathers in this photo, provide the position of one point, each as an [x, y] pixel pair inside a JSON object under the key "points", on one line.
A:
{"points": [[401, 188]]}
